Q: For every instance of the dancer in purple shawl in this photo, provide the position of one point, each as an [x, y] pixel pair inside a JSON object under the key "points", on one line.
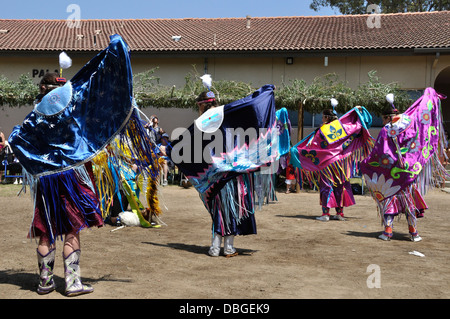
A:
{"points": [[405, 161], [328, 157]]}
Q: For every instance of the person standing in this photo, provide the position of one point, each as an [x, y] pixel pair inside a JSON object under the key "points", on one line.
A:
{"points": [[290, 181], [167, 163], [154, 130], [2, 151], [60, 143], [398, 206], [329, 157], [46, 249], [206, 101], [405, 162], [334, 193], [2, 141], [226, 179]]}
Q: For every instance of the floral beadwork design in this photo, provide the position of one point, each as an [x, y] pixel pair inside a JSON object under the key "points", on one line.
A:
{"points": [[393, 129], [384, 161], [380, 187], [425, 117], [312, 155], [413, 146]]}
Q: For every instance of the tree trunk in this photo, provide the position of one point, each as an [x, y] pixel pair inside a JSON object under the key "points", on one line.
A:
{"points": [[300, 122], [299, 133]]}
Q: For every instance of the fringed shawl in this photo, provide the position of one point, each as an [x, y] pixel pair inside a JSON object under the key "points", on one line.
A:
{"points": [[90, 119], [223, 163], [406, 152], [284, 131], [334, 150], [245, 140]]}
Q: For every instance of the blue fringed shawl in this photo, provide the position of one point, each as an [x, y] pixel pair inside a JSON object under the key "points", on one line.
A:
{"points": [[89, 119]]}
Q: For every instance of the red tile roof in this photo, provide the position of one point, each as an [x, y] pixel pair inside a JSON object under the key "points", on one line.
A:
{"points": [[402, 30]]}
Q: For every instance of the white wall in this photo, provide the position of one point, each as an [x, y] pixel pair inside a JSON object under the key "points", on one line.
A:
{"points": [[412, 72]]}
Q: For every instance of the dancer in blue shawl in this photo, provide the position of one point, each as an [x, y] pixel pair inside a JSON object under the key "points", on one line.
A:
{"points": [[227, 171], [61, 140]]}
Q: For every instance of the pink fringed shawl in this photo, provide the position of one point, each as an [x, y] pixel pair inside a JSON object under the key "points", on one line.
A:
{"points": [[333, 151]]}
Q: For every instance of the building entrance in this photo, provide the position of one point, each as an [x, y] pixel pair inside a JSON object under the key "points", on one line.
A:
{"points": [[442, 85]]}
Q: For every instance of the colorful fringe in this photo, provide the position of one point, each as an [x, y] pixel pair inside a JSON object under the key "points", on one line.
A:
{"points": [[64, 202], [235, 204], [152, 197], [407, 202], [339, 171], [76, 141], [131, 146], [339, 195], [135, 204], [52, 192], [334, 150]]}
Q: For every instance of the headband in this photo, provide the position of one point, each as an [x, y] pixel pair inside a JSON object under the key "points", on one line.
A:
{"points": [[206, 101]]}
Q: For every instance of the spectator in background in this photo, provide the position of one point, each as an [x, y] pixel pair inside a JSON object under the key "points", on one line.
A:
{"points": [[2, 149], [154, 130], [2, 141], [167, 162], [290, 181]]}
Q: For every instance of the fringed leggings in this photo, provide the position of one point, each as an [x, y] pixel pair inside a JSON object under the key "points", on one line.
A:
{"points": [[411, 204]]}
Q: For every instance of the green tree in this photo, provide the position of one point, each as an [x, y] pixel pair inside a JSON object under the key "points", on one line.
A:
{"points": [[295, 95], [361, 6], [315, 97], [148, 91], [17, 93]]}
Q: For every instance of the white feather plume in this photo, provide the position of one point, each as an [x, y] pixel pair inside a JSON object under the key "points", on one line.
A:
{"points": [[207, 80], [65, 61], [334, 102], [390, 98]]}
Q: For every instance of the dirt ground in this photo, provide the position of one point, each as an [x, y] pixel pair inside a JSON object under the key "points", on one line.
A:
{"points": [[293, 256]]}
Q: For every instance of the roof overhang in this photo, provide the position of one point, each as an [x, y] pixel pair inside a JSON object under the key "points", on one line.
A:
{"points": [[241, 53]]}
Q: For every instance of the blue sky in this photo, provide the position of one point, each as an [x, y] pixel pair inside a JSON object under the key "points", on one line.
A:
{"points": [[140, 9]]}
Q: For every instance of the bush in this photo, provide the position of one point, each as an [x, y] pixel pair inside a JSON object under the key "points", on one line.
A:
{"points": [[314, 97]]}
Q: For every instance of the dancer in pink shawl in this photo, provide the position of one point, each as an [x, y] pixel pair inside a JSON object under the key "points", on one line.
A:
{"points": [[329, 157], [405, 161]]}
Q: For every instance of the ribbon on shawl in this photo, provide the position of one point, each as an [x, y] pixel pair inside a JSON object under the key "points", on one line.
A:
{"points": [[406, 151], [91, 118], [334, 150], [284, 131], [222, 160]]}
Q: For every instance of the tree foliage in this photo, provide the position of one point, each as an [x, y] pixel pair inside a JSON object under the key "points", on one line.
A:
{"points": [[314, 97], [17, 93], [395, 6], [148, 91]]}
